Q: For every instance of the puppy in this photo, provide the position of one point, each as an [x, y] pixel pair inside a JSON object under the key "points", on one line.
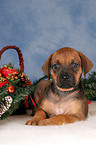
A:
{"points": [[62, 100]]}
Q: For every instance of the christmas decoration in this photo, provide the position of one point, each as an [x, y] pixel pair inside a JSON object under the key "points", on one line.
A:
{"points": [[5, 104], [11, 89], [15, 86], [6, 71]]}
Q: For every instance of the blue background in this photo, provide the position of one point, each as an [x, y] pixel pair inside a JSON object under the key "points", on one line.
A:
{"points": [[40, 27]]}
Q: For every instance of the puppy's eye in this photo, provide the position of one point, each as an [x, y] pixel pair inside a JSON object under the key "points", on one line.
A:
{"points": [[55, 67], [75, 65]]}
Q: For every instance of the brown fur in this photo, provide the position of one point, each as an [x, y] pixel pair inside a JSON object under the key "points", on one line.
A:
{"points": [[62, 100]]}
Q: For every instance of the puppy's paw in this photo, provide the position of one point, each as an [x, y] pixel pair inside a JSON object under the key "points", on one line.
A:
{"points": [[32, 122]]}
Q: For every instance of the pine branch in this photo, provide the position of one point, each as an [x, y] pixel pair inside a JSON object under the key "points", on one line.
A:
{"points": [[90, 86]]}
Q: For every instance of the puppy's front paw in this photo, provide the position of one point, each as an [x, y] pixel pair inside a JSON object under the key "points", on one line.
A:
{"points": [[32, 122]]}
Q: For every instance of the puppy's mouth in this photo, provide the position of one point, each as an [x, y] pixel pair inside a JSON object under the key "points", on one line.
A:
{"points": [[64, 89], [66, 85], [66, 81]]}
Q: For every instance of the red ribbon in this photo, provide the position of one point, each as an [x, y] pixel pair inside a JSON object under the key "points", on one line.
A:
{"points": [[26, 101], [32, 100], [4, 83]]}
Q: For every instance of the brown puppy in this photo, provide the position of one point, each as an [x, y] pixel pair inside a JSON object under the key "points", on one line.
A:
{"points": [[62, 100]]}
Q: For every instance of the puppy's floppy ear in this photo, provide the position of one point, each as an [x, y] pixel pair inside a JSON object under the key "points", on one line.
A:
{"points": [[86, 63], [46, 66]]}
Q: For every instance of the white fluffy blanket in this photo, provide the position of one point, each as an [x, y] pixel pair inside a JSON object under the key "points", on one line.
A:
{"points": [[13, 131]]}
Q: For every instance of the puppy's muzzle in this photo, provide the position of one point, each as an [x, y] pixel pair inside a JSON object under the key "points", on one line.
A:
{"points": [[65, 80]]}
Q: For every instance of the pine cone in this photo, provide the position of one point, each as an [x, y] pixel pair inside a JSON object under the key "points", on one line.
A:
{"points": [[24, 80]]}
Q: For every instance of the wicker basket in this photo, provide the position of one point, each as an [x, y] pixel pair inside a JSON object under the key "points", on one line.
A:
{"points": [[14, 86]]}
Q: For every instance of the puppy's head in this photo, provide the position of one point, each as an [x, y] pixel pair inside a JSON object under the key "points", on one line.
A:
{"points": [[66, 66]]}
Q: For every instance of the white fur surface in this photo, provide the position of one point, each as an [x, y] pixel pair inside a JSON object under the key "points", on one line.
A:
{"points": [[13, 131]]}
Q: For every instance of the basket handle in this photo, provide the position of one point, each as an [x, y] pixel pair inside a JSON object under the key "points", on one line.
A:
{"points": [[21, 61]]}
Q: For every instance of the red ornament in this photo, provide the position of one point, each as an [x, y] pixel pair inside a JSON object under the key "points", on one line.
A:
{"points": [[5, 71], [11, 89]]}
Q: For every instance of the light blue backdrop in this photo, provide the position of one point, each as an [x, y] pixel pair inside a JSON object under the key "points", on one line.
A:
{"points": [[40, 27]]}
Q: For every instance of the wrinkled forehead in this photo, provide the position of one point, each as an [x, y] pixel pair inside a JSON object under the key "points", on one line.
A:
{"points": [[66, 56]]}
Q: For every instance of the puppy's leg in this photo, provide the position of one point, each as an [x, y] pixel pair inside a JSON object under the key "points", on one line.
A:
{"points": [[39, 115], [61, 119]]}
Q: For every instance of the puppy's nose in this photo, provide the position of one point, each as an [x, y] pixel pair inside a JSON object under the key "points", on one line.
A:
{"points": [[65, 77]]}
